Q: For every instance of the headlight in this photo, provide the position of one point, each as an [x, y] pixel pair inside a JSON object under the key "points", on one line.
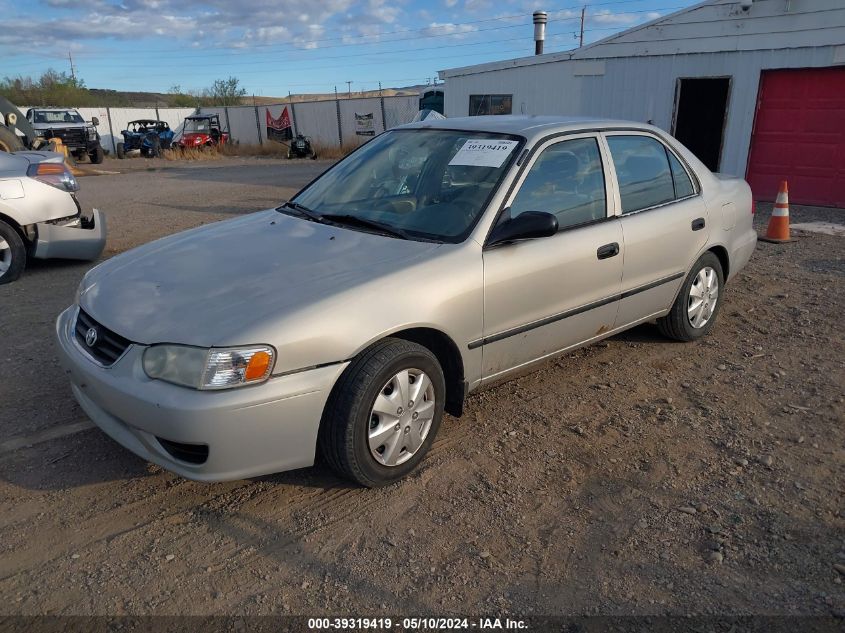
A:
{"points": [[53, 174], [216, 368], [92, 133]]}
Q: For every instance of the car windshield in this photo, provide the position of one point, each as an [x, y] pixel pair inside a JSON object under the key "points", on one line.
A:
{"points": [[197, 125], [423, 183], [57, 116]]}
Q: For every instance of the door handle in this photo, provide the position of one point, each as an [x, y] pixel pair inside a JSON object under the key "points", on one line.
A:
{"points": [[608, 250], [698, 224]]}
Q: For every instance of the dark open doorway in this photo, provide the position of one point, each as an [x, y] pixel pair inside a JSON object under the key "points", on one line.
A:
{"points": [[700, 111]]}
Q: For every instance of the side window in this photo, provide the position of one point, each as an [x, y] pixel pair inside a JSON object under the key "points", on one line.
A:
{"points": [[683, 185], [642, 170], [567, 180]]}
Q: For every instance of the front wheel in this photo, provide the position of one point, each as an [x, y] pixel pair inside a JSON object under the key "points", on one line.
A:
{"points": [[695, 309], [121, 151], [383, 413], [97, 155], [12, 254]]}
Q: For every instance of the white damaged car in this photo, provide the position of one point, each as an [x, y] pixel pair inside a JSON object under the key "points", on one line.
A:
{"points": [[40, 216]]}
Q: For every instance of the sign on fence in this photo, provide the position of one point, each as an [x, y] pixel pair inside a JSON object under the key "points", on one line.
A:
{"points": [[364, 124]]}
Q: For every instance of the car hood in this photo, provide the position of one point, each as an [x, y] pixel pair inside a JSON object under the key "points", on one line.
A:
{"points": [[61, 126], [205, 286]]}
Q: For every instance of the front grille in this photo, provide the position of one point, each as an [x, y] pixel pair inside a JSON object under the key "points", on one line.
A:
{"points": [[107, 347], [191, 453], [69, 136]]}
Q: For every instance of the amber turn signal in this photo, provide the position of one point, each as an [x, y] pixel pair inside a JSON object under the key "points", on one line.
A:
{"points": [[257, 366]]}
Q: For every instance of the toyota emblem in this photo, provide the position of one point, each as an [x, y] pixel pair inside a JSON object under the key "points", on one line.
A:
{"points": [[91, 337]]}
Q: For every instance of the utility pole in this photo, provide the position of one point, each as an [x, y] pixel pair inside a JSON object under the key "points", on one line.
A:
{"points": [[581, 39], [349, 89], [72, 71]]}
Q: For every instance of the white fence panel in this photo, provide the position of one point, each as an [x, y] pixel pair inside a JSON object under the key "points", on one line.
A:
{"points": [[317, 119], [400, 110], [360, 120]]}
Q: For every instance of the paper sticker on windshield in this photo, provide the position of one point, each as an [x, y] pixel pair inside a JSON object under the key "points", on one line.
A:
{"points": [[480, 152]]}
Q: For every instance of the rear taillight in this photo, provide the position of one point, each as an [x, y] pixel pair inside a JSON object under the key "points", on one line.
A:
{"points": [[753, 207], [53, 174]]}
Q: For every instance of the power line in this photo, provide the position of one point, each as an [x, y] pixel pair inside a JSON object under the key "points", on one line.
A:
{"points": [[228, 50], [310, 56]]}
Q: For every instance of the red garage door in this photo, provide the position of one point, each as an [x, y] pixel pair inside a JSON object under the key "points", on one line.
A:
{"points": [[799, 136]]}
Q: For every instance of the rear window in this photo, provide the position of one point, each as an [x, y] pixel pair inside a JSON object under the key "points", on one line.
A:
{"points": [[680, 177], [642, 170]]}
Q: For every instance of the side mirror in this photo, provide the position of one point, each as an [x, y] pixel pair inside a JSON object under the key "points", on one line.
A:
{"points": [[528, 225], [95, 121]]}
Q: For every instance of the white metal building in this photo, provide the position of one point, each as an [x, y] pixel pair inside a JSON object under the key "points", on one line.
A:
{"points": [[753, 88]]}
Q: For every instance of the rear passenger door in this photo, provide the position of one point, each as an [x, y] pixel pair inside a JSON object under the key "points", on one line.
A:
{"points": [[663, 218], [544, 295]]}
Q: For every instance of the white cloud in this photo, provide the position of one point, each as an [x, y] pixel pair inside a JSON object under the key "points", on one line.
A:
{"points": [[609, 18], [448, 28]]}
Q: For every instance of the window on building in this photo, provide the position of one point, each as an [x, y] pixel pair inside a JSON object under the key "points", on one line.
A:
{"points": [[567, 180], [490, 104], [642, 170]]}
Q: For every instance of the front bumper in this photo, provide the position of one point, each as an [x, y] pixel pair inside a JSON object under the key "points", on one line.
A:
{"points": [[249, 431], [86, 241]]}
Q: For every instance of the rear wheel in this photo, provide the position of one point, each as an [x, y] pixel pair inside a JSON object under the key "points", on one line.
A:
{"points": [[12, 254], [695, 309], [9, 141], [384, 413]]}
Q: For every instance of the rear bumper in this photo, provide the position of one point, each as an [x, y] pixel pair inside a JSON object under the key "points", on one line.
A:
{"points": [[247, 432], [72, 242], [743, 248]]}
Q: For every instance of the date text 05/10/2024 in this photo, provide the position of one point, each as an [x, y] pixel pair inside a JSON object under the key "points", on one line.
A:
{"points": [[413, 624]]}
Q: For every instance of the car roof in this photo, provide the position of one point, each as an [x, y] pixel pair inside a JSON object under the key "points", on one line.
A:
{"points": [[54, 109], [529, 126], [201, 116], [145, 121]]}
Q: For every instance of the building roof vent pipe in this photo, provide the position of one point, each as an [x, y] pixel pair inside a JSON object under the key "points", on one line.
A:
{"points": [[540, 20]]}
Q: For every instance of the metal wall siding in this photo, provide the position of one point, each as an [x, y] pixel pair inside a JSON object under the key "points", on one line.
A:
{"points": [[639, 89]]}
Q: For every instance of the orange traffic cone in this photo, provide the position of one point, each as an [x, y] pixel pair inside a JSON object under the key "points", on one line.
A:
{"points": [[778, 230]]}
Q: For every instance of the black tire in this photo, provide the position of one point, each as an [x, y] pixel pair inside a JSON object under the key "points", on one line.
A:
{"points": [[676, 324], [154, 150], [343, 438], [16, 253], [97, 155], [121, 151], [9, 141]]}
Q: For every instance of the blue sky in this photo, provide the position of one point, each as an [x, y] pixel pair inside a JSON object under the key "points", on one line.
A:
{"points": [[276, 46]]}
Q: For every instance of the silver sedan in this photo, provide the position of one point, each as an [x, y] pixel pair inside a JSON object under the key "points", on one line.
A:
{"points": [[437, 258]]}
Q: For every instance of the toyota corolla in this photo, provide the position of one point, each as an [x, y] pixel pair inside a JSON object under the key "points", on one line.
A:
{"points": [[437, 258]]}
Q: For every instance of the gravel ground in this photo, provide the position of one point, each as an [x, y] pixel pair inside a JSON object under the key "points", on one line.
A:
{"points": [[636, 476]]}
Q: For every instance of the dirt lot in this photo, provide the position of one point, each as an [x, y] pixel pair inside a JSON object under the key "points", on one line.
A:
{"points": [[637, 476]]}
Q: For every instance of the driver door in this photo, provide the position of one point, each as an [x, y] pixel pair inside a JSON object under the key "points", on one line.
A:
{"points": [[544, 295]]}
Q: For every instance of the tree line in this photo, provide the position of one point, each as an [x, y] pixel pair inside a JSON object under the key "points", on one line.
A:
{"points": [[58, 89]]}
